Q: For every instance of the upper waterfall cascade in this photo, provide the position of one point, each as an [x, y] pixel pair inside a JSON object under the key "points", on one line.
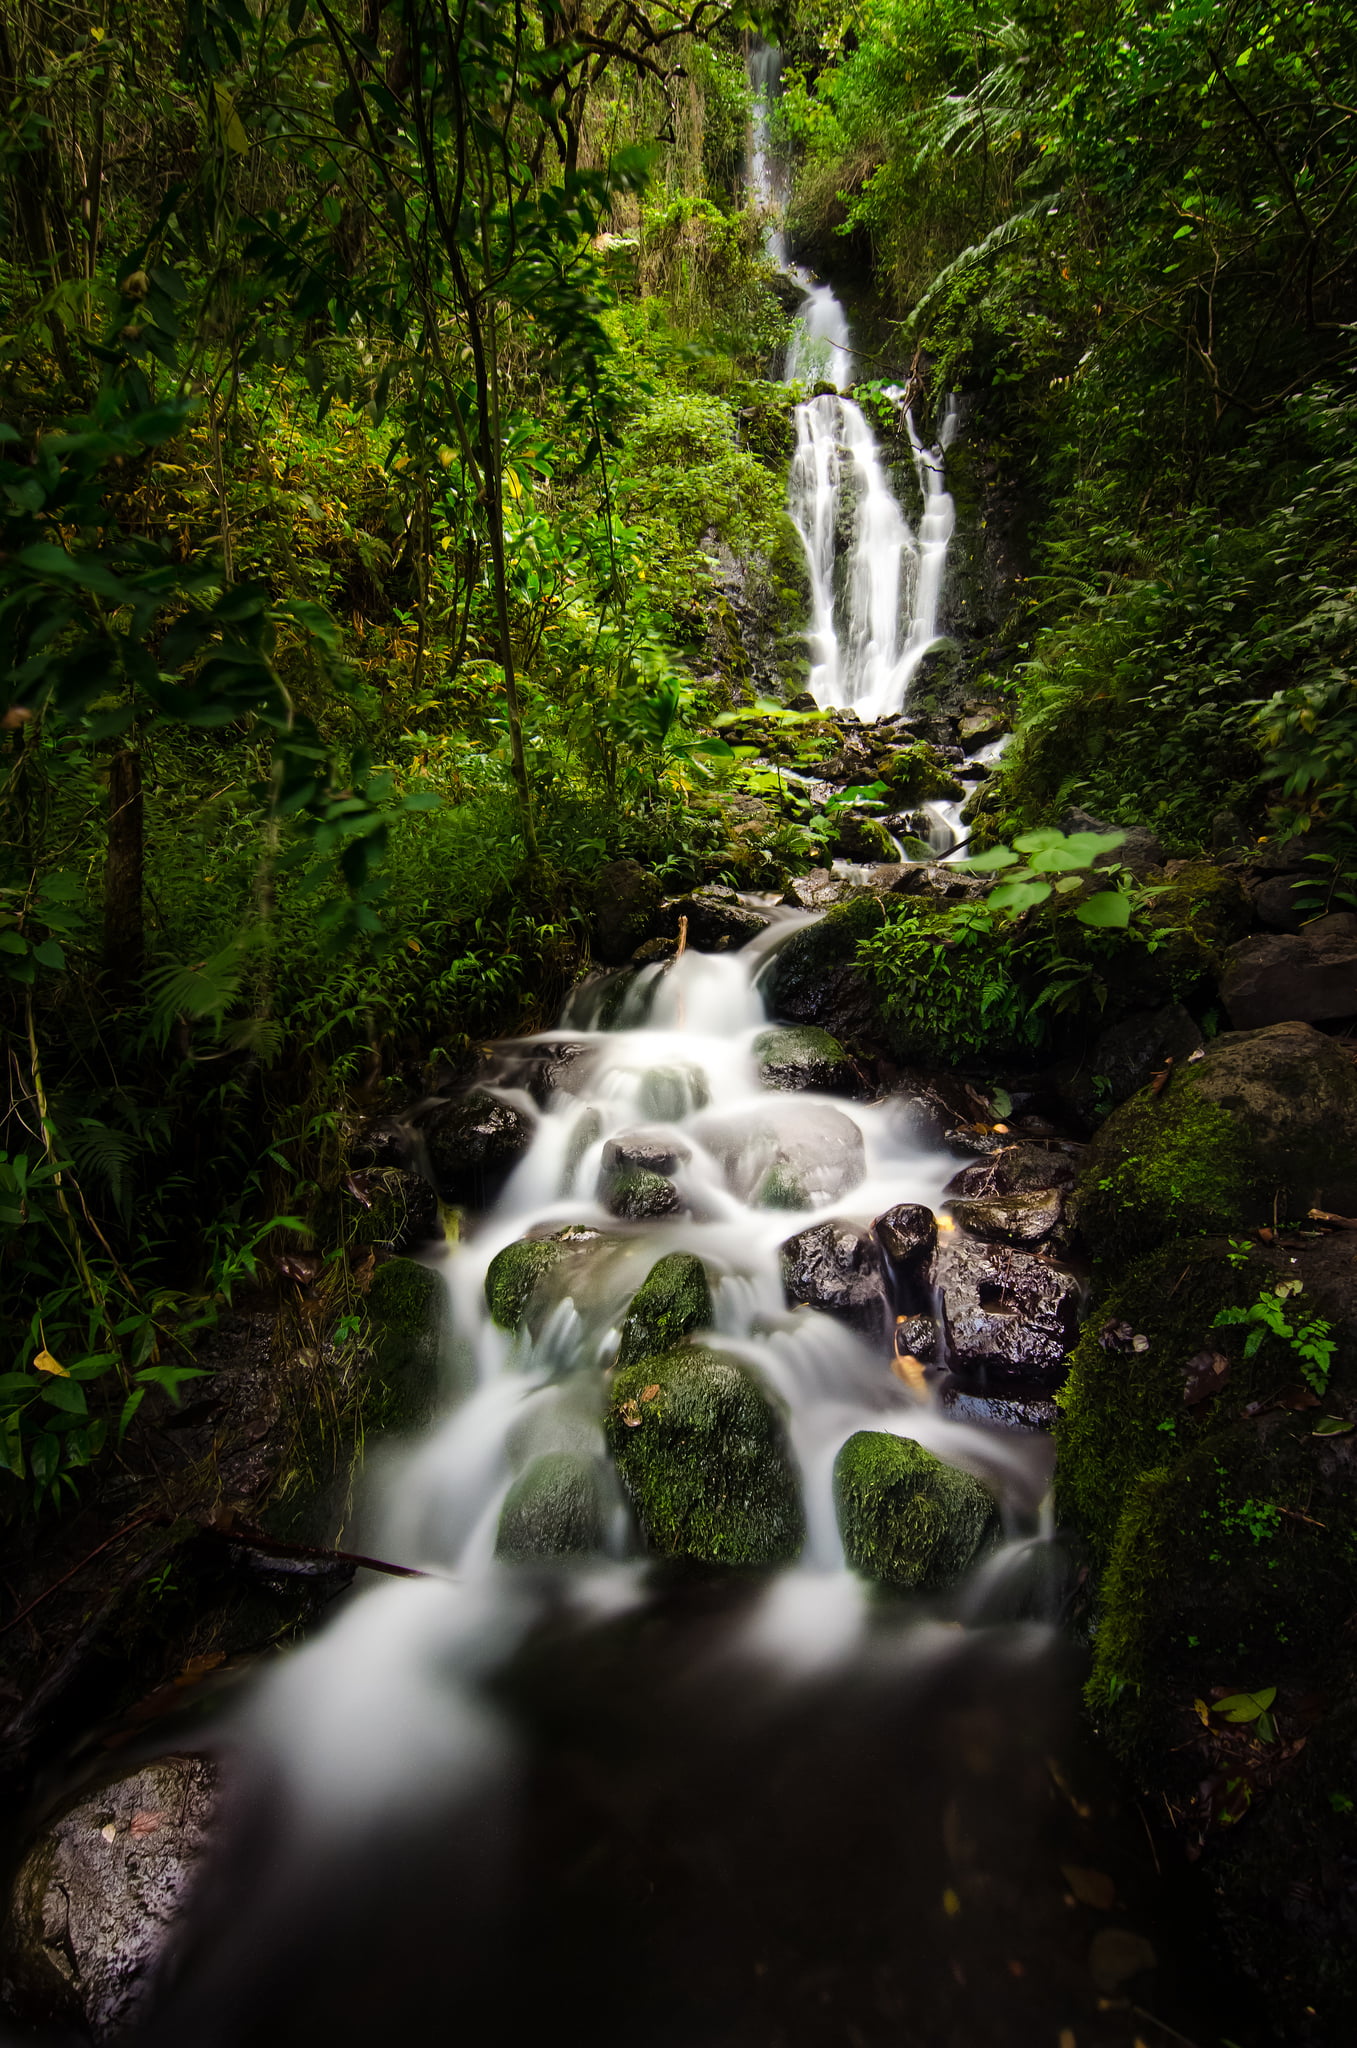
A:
{"points": [[876, 583]]}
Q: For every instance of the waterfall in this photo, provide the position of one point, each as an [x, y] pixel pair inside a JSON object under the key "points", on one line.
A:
{"points": [[876, 585]]}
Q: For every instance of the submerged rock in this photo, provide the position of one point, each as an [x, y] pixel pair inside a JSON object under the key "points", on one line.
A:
{"points": [[672, 1302], [1263, 1126], [803, 1056], [636, 1196], [1008, 1314], [474, 1143], [907, 1235], [703, 1455], [553, 1509], [906, 1518], [836, 1267], [625, 910], [792, 1155], [98, 1893], [671, 1093]]}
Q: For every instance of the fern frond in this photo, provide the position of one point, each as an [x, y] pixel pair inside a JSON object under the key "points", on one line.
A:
{"points": [[207, 990]]}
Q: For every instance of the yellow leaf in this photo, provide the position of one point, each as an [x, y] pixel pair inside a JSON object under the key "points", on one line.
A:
{"points": [[951, 1904], [44, 1362], [513, 486]]}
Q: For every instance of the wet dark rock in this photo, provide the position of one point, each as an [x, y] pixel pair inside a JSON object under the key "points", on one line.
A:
{"points": [[97, 1896], [1008, 1314], [787, 1155], [1308, 976], [1012, 1219], [652, 1151], [1263, 1125], [1018, 1169], [385, 1141], [1139, 851], [407, 1308], [917, 1337], [717, 920], [703, 1454], [975, 1139], [653, 950], [672, 1302], [813, 978], [1014, 1410], [941, 883], [625, 910], [560, 1066], [1273, 902], [473, 1144], [1130, 1052], [905, 1517], [553, 1509], [907, 1235], [820, 889], [794, 1057], [836, 1267]]}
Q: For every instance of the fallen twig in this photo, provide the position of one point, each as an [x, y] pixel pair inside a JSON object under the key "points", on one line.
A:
{"points": [[277, 1548]]}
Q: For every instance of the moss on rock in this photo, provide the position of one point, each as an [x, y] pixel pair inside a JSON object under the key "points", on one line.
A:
{"points": [[814, 979], [513, 1276], [553, 1509], [803, 1056], [703, 1455], [905, 1517], [407, 1314], [915, 773], [672, 1302]]}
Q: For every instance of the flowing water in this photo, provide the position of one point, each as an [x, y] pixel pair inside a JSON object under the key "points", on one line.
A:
{"points": [[876, 583], [672, 1806]]}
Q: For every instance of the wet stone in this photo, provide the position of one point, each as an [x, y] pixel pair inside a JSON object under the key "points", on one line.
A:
{"points": [[1008, 1314], [651, 1151], [672, 1302], [917, 1337], [836, 1267], [787, 1155], [907, 1235], [802, 1056], [636, 1196], [671, 1093], [553, 1509], [905, 1517], [1012, 1219], [1018, 1169], [1014, 1410], [473, 1143], [717, 920]]}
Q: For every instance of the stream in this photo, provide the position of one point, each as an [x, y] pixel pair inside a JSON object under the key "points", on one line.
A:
{"points": [[676, 1806]]}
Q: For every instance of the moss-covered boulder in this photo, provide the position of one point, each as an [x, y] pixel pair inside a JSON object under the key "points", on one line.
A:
{"points": [[813, 977], [860, 837], [1263, 1126], [553, 1509], [407, 1317], [672, 1302], [803, 1056], [513, 1276], [636, 1195], [905, 1517], [703, 1455], [917, 772]]}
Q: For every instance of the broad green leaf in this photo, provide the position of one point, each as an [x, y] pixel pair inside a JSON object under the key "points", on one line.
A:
{"points": [[1016, 897], [1240, 1707], [1332, 1425], [1109, 910], [989, 863]]}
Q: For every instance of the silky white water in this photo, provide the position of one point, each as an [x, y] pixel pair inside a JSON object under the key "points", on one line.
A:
{"points": [[876, 584]]}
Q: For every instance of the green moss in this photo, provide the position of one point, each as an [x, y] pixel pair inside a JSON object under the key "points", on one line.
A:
{"points": [[407, 1317], [513, 1276], [1166, 1166], [917, 772], [672, 1302], [801, 1056], [703, 1454], [862, 838], [800, 968], [553, 1509], [905, 1517], [637, 1194]]}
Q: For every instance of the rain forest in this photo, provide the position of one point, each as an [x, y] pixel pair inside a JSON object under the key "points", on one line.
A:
{"points": [[678, 997]]}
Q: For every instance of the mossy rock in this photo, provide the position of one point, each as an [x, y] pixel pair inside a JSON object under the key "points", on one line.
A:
{"points": [[1262, 1128], [514, 1274], [553, 1509], [407, 1314], [638, 1195], [703, 1454], [800, 1056], [672, 1302], [905, 1517], [813, 978], [913, 774], [860, 837]]}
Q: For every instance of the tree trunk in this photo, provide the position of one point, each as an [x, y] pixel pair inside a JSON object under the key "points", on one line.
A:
{"points": [[124, 935]]}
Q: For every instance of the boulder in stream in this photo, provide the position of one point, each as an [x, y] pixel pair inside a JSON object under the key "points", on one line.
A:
{"points": [[813, 977], [625, 910], [407, 1316], [1009, 1315], [634, 1181], [836, 1267], [703, 1455], [553, 1509], [474, 1142], [638, 1196], [1012, 1219], [858, 836], [717, 920], [672, 1302], [907, 1235], [800, 1056], [905, 1517], [788, 1155], [97, 1894], [513, 1276]]}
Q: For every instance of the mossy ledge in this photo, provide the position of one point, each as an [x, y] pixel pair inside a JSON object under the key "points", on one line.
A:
{"points": [[703, 1455]]}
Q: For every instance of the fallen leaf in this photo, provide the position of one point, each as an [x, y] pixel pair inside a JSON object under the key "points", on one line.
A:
{"points": [[1207, 1373], [109, 1831], [1159, 1082], [649, 1393], [1332, 1425], [1140, 1342], [1297, 1396], [144, 1823], [631, 1414], [1202, 1712], [44, 1362], [912, 1371], [951, 1904], [357, 1186], [1116, 1955], [1090, 1887]]}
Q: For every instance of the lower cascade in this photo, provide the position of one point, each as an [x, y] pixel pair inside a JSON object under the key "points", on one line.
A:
{"points": [[640, 1717]]}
